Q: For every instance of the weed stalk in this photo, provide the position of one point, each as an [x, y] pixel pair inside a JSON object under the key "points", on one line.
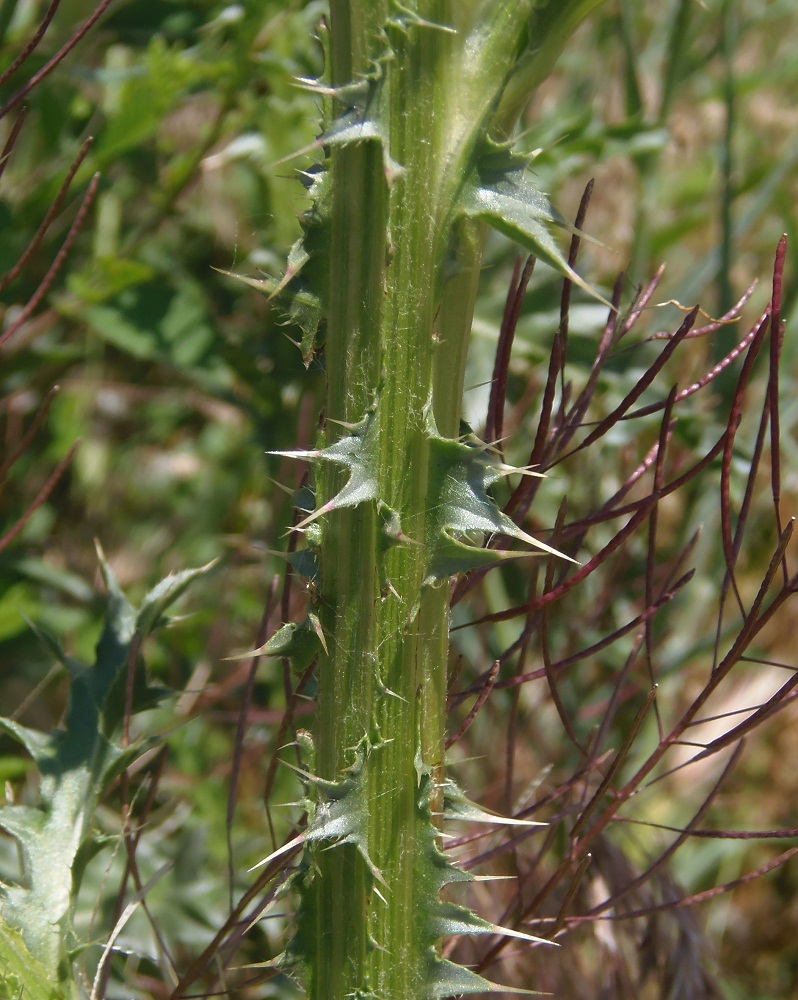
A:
{"points": [[421, 99]]}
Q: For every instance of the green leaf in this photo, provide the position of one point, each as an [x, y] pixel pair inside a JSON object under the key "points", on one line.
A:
{"points": [[22, 975], [75, 765], [307, 267], [358, 452], [457, 806], [151, 613], [443, 918], [551, 25], [300, 643], [502, 193], [107, 277], [338, 816], [458, 505]]}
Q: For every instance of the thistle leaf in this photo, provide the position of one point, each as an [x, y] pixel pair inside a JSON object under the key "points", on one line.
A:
{"points": [[75, 765], [152, 611], [457, 806], [458, 504], [22, 975], [502, 193], [442, 918], [300, 643], [447, 979], [359, 453]]}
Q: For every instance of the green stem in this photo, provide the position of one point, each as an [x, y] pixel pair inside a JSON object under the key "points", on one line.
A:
{"points": [[395, 351]]}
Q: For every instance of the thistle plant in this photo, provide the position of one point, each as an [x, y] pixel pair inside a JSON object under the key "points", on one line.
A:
{"points": [[406, 514], [421, 99]]}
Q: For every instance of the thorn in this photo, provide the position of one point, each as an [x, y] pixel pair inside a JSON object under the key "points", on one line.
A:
{"points": [[521, 935], [305, 150], [300, 771], [319, 631], [280, 486], [476, 815], [296, 842], [309, 454]]}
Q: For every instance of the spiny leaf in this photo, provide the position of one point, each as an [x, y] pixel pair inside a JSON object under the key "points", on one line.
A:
{"points": [[446, 979], [502, 193], [22, 975], [308, 263], [359, 453], [305, 562], [458, 503], [54, 647], [437, 918], [157, 602], [75, 764], [301, 643], [338, 811], [451, 919], [337, 817], [457, 806]]}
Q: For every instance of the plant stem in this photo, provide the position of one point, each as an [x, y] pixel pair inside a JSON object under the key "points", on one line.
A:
{"points": [[415, 89]]}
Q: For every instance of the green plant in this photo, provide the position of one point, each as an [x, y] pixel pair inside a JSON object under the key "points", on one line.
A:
{"points": [[56, 832], [422, 100], [58, 835], [390, 257], [409, 513]]}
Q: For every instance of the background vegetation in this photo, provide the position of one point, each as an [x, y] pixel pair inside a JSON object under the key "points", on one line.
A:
{"points": [[176, 379]]}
